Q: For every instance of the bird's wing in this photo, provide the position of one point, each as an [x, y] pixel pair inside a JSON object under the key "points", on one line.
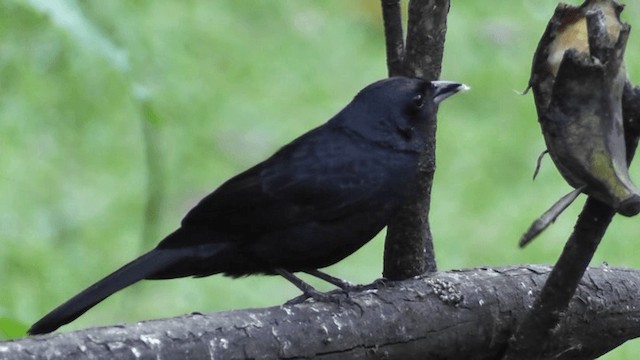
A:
{"points": [[321, 176]]}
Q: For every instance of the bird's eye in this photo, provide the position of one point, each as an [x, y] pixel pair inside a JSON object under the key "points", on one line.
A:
{"points": [[418, 101]]}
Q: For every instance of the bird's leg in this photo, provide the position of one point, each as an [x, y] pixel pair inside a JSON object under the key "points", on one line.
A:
{"points": [[342, 284], [346, 286], [308, 290]]}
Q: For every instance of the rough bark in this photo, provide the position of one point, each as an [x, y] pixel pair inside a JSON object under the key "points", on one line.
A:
{"points": [[466, 314], [409, 245]]}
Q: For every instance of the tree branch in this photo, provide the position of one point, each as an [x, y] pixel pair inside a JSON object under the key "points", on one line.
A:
{"points": [[394, 42], [585, 86], [409, 244], [555, 296], [466, 314], [425, 38]]}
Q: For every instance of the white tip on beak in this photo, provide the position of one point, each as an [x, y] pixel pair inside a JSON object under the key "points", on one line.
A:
{"points": [[443, 89]]}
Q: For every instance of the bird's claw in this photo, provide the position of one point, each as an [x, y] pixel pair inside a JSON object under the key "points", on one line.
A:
{"points": [[376, 284], [338, 296]]}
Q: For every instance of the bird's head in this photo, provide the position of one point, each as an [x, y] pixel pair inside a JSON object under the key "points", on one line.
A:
{"points": [[395, 112]]}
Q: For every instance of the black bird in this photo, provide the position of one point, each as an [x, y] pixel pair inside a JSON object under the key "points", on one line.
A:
{"points": [[313, 203]]}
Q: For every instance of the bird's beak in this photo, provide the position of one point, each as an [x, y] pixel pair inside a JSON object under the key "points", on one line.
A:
{"points": [[443, 89]]}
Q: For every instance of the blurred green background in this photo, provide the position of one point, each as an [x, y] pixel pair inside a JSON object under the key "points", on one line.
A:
{"points": [[116, 117]]}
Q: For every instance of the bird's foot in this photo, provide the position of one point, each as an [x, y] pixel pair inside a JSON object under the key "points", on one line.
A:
{"points": [[336, 296], [339, 296], [376, 284], [297, 300]]}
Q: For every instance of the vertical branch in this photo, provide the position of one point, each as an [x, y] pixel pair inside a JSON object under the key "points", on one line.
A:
{"points": [[409, 245], [394, 42], [425, 38], [562, 282]]}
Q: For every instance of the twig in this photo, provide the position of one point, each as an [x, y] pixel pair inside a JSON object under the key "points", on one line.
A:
{"points": [[539, 163], [549, 217]]}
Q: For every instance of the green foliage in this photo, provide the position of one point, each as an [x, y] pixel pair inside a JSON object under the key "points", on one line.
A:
{"points": [[117, 116]]}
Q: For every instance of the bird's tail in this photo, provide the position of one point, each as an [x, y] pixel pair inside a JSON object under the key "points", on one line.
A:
{"points": [[140, 268]]}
